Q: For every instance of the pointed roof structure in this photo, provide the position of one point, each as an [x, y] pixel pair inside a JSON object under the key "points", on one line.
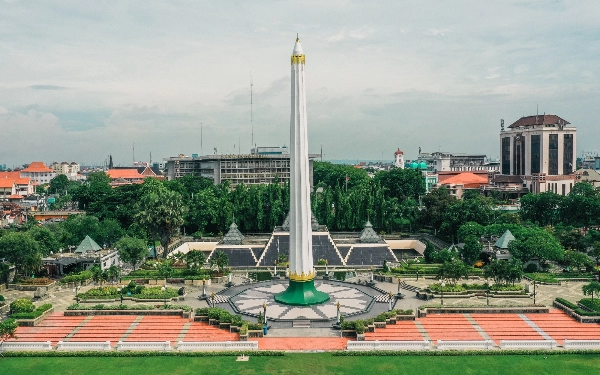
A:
{"points": [[368, 234], [233, 236], [87, 245], [504, 240], [314, 223]]}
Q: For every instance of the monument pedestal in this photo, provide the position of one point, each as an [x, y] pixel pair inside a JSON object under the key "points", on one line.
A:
{"points": [[301, 293]]}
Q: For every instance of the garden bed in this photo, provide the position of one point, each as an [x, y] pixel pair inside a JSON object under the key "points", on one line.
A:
{"points": [[575, 313], [484, 310], [34, 322]]}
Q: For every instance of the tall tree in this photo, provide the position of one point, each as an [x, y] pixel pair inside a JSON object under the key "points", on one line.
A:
{"points": [[160, 213], [22, 250], [471, 250], [59, 185], [132, 250]]}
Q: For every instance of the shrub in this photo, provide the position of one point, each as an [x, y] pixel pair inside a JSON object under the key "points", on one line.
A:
{"points": [[236, 320], [359, 326], [244, 329], [1, 298], [593, 304], [22, 305], [255, 326], [32, 314], [225, 316], [566, 303], [531, 268], [37, 281], [75, 277], [542, 277], [260, 275]]}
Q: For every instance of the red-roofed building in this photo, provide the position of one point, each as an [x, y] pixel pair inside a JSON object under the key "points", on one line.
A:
{"points": [[464, 181], [8, 187], [124, 177], [38, 172], [23, 186]]}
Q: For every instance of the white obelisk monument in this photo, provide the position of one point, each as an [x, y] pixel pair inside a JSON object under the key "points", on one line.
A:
{"points": [[301, 290]]}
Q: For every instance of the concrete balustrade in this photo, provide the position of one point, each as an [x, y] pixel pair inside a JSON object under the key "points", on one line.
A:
{"points": [[16, 346], [197, 346], [388, 345], [83, 346], [160, 346], [581, 344], [464, 344], [527, 344]]}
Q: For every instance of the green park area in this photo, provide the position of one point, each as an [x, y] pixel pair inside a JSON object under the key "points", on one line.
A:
{"points": [[314, 363]]}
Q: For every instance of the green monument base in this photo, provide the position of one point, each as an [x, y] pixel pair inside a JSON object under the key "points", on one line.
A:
{"points": [[301, 293]]}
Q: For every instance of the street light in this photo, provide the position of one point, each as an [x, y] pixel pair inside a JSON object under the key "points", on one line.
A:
{"points": [[164, 290], [442, 284], [534, 293], [121, 293], [76, 291]]}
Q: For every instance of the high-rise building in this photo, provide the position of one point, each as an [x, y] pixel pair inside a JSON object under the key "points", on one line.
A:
{"points": [[541, 149]]}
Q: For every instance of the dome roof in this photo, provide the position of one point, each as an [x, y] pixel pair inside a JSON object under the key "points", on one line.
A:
{"points": [[414, 165], [423, 165]]}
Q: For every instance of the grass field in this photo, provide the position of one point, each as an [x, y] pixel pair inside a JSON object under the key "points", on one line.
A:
{"points": [[310, 363]]}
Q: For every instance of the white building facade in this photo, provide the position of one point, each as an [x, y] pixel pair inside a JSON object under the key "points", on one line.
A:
{"points": [[542, 150]]}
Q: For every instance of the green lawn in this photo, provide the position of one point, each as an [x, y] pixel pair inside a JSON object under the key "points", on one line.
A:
{"points": [[310, 363]]}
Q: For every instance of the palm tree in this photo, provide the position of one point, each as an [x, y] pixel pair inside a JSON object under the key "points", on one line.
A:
{"points": [[195, 259], [113, 272], [220, 260]]}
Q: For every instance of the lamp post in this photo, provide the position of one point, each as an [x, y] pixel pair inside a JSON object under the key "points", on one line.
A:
{"points": [[339, 315], [487, 295], [121, 293], [390, 301], [212, 297], [265, 313], [203, 288], [442, 284], [399, 281], [164, 290], [534, 292], [76, 291]]}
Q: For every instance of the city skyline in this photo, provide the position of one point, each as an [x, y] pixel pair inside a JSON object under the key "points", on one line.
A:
{"points": [[81, 81]]}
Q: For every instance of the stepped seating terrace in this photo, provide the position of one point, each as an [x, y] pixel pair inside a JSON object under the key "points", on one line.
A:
{"points": [[506, 327]]}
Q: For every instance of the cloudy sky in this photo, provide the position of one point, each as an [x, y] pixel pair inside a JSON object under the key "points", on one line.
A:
{"points": [[83, 79]]}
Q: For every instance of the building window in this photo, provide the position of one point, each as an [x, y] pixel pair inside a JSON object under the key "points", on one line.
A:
{"points": [[553, 155], [505, 155], [535, 154], [519, 159], [567, 153]]}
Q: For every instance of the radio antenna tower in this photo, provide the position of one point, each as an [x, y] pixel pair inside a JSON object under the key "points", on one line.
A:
{"points": [[251, 117]]}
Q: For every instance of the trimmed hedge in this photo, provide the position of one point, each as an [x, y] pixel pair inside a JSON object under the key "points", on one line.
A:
{"points": [[34, 314], [52, 353], [593, 304], [453, 353], [75, 277], [222, 315], [1, 298], [576, 309], [102, 306], [22, 305]]}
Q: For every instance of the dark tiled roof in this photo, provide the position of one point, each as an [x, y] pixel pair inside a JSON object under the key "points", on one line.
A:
{"points": [[539, 120], [504, 178]]}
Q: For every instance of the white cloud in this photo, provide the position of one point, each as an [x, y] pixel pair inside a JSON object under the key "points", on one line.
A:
{"points": [[380, 75]]}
